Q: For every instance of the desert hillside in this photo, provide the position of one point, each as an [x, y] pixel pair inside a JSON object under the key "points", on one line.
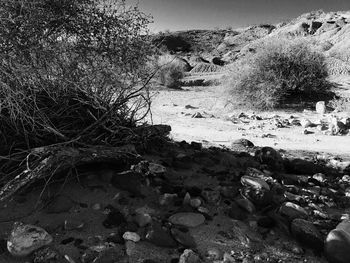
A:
{"points": [[329, 33]]}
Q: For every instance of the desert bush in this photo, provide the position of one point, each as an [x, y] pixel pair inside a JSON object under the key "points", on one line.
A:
{"points": [[280, 72], [171, 71], [340, 104], [70, 71]]}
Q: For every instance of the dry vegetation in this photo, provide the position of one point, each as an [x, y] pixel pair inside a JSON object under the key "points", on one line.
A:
{"points": [[280, 72]]}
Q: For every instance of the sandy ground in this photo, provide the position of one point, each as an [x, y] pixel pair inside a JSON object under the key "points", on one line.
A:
{"points": [[220, 127]]}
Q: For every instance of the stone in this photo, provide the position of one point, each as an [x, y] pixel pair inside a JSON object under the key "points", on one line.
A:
{"points": [[131, 236], [254, 182], [246, 205], [184, 237], [320, 177], [143, 219], [321, 107], [25, 239], [307, 234], [337, 243], [188, 256], [167, 199], [156, 169], [292, 211], [197, 115], [306, 123], [187, 219], [114, 218], [214, 254], [242, 142], [270, 157], [159, 236]]}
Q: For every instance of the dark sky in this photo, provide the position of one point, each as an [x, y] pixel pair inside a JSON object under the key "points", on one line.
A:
{"points": [[208, 14]]}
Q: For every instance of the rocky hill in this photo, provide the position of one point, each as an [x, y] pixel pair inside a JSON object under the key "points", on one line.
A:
{"points": [[328, 33]]}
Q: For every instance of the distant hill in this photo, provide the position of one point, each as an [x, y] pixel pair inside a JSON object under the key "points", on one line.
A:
{"points": [[329, 33]]}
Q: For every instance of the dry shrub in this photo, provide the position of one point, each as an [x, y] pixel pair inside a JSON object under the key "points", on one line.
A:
{"points": [[281, 71], [171, 71], [340, 104], [70, 71]]}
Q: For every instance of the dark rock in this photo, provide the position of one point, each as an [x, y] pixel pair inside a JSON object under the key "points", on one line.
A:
{"points": [[114, 219], [160, 237], [237, 213], [270, 157], [307, 234], [292, 211], [110, 255], [338, 243], [184, 237], [246, 205], [259, 197], [129, 181]]}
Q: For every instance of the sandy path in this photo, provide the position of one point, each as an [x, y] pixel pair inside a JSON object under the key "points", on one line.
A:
{"points": [[169, 108]]}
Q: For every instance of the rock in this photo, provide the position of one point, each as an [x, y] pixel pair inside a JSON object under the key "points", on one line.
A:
{"points": [[188, 256], [187, 219], [159, 237], [259, 196], [197, 115], [246, 205], [143, 219], [306, 123], [292, 211], [195, 202], [254, 182], [266, 222], [270, 157], [156, 169], [60, 204], [320, 177], [114, 218], [321, 107], [242, 142], [131, 236], [167, 199], [25, 239], [307, 234], [184, 237], [337, 243]]}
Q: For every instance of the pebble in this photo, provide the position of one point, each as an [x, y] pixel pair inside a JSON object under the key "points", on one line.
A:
{"points": [[25, 239], [187, 219], [131, 236], [71, 224], [143, 219], [156, 169]]}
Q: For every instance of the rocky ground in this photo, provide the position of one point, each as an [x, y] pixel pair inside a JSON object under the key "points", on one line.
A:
{"points": [[184, 203]]}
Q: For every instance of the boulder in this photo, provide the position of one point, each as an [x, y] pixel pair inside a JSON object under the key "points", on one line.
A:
{"points": [[25, 239], [337, 243]]}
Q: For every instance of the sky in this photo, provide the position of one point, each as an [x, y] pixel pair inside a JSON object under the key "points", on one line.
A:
{"points": [[176, 15]]}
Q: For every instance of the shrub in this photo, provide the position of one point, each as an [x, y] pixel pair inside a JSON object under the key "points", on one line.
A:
{"points": [[340, 104], [278, 73], [171, 71], [70, 70]]}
